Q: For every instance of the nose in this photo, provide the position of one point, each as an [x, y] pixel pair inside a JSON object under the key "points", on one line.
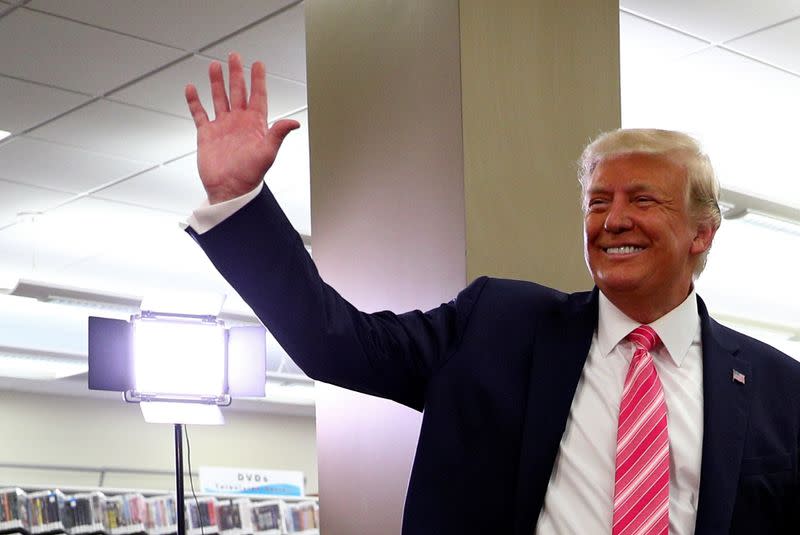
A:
{"points": [[618, 217]]}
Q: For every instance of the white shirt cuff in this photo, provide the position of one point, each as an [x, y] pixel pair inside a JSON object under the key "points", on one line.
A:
{"points": [[208, 216]]}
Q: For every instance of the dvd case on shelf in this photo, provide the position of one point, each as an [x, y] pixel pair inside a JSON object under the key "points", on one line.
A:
{"points": [[302, 517], [82, 514], [44, 512], [13, 510], [234, 517], [162, 515], [267, 517], [125, 514], [201, 516]]}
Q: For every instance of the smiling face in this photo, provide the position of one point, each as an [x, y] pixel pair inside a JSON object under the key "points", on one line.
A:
{"points": [[641, 241]]}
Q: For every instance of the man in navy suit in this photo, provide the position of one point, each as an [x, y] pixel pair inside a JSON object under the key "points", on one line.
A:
{"points": [[520, 384]]}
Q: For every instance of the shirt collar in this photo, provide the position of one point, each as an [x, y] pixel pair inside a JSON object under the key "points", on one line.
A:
{"points": [[676, 328]]}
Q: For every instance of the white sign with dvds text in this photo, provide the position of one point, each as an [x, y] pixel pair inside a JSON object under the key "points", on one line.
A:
{"points": [[225, 480]]}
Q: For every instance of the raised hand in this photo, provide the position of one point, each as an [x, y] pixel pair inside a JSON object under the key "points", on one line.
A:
{"points": [[236, 149]]}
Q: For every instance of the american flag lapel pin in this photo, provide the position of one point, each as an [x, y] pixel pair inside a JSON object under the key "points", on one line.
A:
{"points": [[738, 377]]}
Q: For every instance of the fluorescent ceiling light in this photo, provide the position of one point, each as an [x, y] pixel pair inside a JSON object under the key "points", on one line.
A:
{"points": [[91, 299], [4, 134], [40, 366], [772, 223], [79, 297]]}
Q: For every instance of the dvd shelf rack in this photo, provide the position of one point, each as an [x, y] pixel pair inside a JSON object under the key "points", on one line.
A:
{"points": [[126, 514], [82, 514], [51, 511], [13, 511], [44, 512]]}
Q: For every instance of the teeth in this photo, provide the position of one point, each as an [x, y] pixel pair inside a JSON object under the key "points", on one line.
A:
{"points": [[623, 250]]}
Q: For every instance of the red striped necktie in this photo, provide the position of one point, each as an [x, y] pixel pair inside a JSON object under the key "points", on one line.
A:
{"points": [[641, 487]]}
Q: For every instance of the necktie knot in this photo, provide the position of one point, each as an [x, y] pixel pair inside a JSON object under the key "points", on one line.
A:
{"points": [[644, 337]]}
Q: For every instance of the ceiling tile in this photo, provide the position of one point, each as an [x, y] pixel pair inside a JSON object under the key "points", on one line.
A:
{"points": [[778, 46], [715, 20], [170, 22], [163, 91], [279, 42], [730, 103], [16, 198], [124, 131], [61, 168], [174, 187], [645, 45], [23, 104], [74, 56]]}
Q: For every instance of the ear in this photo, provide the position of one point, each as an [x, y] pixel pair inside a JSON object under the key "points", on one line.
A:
{"points": [[704, 236]]}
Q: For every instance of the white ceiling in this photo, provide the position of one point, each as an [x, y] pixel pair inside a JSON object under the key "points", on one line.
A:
{"points": [[99, 169], [101, 151], [102, 145]]}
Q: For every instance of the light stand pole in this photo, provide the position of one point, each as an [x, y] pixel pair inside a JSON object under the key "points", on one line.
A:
{"points": [[179, 479]]}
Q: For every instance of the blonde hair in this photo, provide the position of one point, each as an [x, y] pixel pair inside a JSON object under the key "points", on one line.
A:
{"points": [[703, 187]]}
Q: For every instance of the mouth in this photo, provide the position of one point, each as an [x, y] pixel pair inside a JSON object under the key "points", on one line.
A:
{"points": [[623, 250]]}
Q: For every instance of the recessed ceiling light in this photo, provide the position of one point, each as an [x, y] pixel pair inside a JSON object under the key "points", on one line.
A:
{"points": [[4, 134]]}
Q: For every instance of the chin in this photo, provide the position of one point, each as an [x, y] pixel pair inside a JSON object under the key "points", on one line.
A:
{"points": [[618, 284]]}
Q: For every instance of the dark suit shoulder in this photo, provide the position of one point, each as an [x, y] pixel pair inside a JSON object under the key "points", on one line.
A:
{"points": [[774, 372], [529, 295], [759, 353]]}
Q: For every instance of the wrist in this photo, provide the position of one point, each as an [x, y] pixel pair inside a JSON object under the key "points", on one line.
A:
{"points": [[221, 195]]}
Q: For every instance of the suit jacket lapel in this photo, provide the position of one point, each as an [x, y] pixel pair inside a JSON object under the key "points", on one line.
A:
{"points": [[726, 404], [562, 344]]}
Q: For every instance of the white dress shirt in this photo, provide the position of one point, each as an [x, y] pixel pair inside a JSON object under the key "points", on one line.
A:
{"points": [[580, 495], [208, 216]]}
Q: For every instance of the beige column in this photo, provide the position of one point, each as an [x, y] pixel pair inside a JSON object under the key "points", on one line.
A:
{"points": [[540, 78], [443, 138]]}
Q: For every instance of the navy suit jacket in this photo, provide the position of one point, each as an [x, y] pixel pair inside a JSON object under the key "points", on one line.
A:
{"points": [[494, 372]]}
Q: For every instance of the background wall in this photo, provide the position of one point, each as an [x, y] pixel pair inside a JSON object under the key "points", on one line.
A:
{"points": [[60, 430]]}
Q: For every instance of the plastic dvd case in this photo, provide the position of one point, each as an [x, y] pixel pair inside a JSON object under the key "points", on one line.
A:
{"points": [[44, 512], [201, 516], [13, 510], [267, 517], [125, 514], [301, 517], [82, 514], [234, 517], [162, 515]]}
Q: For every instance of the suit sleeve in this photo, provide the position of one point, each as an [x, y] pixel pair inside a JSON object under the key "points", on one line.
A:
{"points": [[383, 354]]}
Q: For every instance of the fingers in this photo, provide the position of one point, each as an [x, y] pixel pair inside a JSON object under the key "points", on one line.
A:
{"points": [[258, 89], [236, 79], [218, 94], [280, 129], [195, 106]]}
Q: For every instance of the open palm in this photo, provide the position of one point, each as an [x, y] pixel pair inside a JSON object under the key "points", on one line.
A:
{"points": [[236, 149]]}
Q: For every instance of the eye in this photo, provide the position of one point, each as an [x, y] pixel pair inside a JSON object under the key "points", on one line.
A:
{"points": [[596, 204], [644, 199]]}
